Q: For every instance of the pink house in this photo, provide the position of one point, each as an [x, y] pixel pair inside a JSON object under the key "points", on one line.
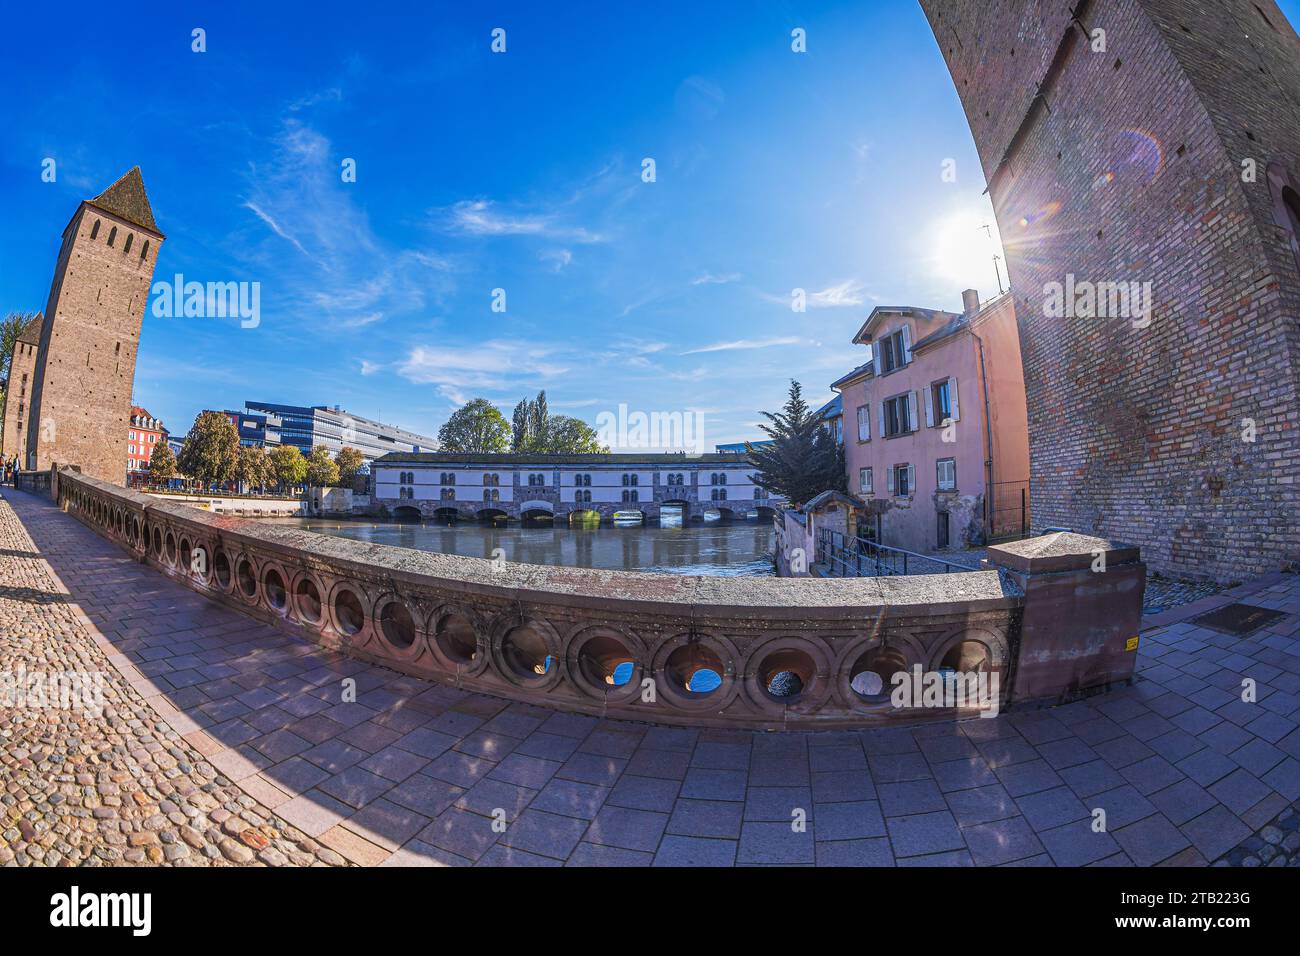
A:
{"points": [[936, 435]]}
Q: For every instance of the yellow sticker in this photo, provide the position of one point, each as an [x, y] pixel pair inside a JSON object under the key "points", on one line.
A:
{"points": [[1131, 644]]}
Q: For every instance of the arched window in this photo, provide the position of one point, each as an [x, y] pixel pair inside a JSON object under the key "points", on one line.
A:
{"points": [[722, 494], [94, 230], [586, 495], [112, 234], [1291, 203], [577, 494], [713, 478], [129, 237], [636, 480], [144, 250], [722, 478]]}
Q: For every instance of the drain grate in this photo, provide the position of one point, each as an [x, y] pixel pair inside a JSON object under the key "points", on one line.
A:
{"points": [[1238, 619]]}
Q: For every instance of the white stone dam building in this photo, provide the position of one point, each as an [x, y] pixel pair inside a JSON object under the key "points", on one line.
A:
{"points": [[442, 485]]}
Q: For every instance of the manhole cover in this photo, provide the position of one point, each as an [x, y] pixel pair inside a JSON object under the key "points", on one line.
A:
{"points": [[1239, 619]]}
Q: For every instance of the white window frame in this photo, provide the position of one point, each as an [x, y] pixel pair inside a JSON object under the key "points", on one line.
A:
{"points": [[951, 484], [864, 422], [866, 481]]}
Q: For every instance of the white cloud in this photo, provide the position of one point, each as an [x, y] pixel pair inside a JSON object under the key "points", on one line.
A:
{"points": [[738, 344], [710, 279], [480, 217]]}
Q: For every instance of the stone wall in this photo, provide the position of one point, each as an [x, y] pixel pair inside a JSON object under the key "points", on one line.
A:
{"points": [[557, 635], [1129, 163]]}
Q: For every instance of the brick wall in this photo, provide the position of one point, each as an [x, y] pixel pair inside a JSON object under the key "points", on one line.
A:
{"points": [[1127, 167], [82, 396]]}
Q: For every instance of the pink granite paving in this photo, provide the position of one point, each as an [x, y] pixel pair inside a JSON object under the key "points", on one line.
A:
{"points": [[416, 773]]}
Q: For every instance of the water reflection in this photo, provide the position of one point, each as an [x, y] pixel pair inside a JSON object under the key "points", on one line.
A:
{"points": [[735, 548]]}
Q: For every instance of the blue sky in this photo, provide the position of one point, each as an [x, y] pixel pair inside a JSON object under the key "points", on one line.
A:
{"points": [[520, 171]]}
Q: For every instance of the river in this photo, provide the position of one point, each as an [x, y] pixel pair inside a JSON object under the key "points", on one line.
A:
{"points": [[740, 547]]}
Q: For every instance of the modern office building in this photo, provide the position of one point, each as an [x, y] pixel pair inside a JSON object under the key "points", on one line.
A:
{"points": [[267, 423]]}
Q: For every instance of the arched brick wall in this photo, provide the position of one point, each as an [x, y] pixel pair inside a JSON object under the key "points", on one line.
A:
{"points": [[1134, 163]]}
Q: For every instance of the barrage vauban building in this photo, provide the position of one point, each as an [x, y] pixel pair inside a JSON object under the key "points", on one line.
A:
{"points": [[447, 486]]}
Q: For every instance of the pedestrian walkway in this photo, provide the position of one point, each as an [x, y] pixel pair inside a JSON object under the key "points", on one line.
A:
{"points": [[1174, 770]]}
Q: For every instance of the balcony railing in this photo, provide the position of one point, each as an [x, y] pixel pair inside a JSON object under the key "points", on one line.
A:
{"points": [[847, 556]]}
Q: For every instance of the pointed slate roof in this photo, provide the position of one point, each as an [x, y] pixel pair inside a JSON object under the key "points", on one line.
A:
{"points": [[126, 199], [31, 333]]}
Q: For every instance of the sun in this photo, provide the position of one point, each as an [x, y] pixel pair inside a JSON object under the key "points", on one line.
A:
{"points": [[960, 249]]}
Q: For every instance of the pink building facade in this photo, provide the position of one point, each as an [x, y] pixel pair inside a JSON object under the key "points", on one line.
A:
{"points": [[936, 428]]}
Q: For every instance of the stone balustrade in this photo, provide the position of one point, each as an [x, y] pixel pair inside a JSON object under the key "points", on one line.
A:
{"points": [[789, 653]]}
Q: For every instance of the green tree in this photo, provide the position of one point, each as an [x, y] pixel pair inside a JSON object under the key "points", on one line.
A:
{"points": [[804, 459], [162, 464], [210, 449], [350, 462], [321, 470], [569, 436], [477, 427], [253, 467], [288, 467]]}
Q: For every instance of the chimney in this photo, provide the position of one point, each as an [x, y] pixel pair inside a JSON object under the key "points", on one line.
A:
{"points": [[970, 300]]}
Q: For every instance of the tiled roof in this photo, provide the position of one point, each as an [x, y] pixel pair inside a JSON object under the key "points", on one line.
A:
{"points": [[856, 373], [31, 333], [505, 458], [832, 408], [126, 199]]}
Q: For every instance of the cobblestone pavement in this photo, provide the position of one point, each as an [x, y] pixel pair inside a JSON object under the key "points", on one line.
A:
{"points": [[121, 786], [414, 773]]}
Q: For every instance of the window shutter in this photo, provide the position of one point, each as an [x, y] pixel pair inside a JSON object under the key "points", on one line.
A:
{"points": [[907, 345], [875, 358], [883, 430], [911, 479], [929, 407], [914, 412], [866, 421], [890, 480], [952, 400]]}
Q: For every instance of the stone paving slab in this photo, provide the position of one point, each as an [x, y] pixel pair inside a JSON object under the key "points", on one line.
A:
{"points": [[1174, 770]]}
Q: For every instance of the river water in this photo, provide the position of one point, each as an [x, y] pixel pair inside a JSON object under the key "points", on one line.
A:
{"points": [[741, 547]]}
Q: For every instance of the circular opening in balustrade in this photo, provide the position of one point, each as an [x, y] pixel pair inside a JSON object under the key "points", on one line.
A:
{"points": [[135, 531], [606, 662], [157, 541], [456, 638], [273, 588], [121, 523], [784, 674], [695, 669], [525, 652], [308, 598], [247, 579], [396, 623], [184, 561], [348, 612], [221, 565], [871, 676], [968, 657], [171, 548]]}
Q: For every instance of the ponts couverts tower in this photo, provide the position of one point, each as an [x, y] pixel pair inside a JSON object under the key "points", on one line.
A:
{"points": [[85, 365]]}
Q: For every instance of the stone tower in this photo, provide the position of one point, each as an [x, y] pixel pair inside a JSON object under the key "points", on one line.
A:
{"points": [[18, 401], [85, 367], [1149, 141]]}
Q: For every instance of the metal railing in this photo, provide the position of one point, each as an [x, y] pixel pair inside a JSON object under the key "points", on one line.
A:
{"points": [[845, 556], [1009, 515]]}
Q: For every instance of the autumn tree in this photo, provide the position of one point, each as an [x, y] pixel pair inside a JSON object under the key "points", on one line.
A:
{"points": [[288, 467], [162, 464], [350, 461], [210, 450], [253, 467], [321, 470]]}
